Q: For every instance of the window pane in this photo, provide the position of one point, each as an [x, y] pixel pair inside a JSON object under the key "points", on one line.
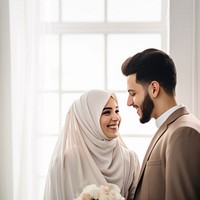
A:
{"points": [[41, 187], [130, 124], [67, 100], [82, 62], [49, 62], [134, 10], [82, 11], [138, 144], [121, 46], [46, 146], [49, 10], [48, 110]]}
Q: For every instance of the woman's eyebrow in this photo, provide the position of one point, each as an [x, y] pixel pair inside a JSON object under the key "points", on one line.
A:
{"points": [[110, 108], [107, 108]]}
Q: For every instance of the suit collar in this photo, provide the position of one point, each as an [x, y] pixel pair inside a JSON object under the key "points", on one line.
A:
{"points": [[160, 120]]}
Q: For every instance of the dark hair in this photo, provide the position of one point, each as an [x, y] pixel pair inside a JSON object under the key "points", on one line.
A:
{"points": [[152, 65]]}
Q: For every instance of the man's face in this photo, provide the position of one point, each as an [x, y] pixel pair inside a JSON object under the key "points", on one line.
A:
{"points": [[140, 99]]}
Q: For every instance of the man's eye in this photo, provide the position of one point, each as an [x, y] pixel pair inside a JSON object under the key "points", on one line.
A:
{"points": [[132, 93]]}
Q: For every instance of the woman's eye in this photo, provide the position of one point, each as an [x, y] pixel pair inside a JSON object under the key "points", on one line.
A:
{"points": [[106, 113], [117, 111]]}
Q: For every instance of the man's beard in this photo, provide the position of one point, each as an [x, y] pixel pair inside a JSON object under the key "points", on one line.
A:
{"points": [[147, 109]]}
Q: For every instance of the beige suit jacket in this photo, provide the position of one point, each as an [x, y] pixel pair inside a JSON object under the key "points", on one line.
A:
{"points": [[171, 166]]}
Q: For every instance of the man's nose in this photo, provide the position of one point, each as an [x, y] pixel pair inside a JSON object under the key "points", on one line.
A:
{"points": [[130, 101]]}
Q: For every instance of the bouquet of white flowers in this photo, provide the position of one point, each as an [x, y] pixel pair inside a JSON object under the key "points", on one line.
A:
{"points": [[92, 192]]}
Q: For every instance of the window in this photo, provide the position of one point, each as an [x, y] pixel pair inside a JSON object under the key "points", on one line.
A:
{"points": [[83, 47]]}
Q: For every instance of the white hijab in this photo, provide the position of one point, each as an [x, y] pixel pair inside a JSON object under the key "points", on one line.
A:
{"points": [[84, 155]]}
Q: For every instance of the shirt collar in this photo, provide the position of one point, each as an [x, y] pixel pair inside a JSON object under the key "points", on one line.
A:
{"points": [[160, 120]]}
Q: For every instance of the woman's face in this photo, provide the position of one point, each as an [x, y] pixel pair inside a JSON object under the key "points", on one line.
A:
{"points": [[110, 119]]}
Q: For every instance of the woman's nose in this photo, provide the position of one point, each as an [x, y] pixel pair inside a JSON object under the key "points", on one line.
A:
{"points": [[115, 117]]}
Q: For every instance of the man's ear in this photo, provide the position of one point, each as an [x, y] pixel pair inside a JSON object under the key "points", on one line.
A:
{"points": [[154, 88]]}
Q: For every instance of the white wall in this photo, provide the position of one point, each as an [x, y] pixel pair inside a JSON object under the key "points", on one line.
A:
{"points": [[5, 106], [184, 49]]}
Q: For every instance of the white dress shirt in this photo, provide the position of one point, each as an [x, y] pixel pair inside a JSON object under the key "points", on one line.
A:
{"points": [[160, 120]]}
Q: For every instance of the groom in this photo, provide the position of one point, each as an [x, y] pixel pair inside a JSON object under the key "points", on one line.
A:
{"points": [[171, 166]]}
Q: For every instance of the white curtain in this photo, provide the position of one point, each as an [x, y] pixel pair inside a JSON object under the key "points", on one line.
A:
{"points": [[18, 110]]}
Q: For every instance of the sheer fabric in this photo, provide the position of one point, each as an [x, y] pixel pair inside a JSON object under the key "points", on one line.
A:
{"points": [[24, 75], [84, 155]]}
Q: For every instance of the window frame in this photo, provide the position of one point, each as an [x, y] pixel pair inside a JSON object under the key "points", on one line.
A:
{"points": [[60, 28]]}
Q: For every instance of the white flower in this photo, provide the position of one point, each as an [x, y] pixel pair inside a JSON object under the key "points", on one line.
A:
{"points": [[109, 192]]}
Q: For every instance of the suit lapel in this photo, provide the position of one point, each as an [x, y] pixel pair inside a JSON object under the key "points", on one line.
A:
{"points": [[158, 135], [154, 140]]}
